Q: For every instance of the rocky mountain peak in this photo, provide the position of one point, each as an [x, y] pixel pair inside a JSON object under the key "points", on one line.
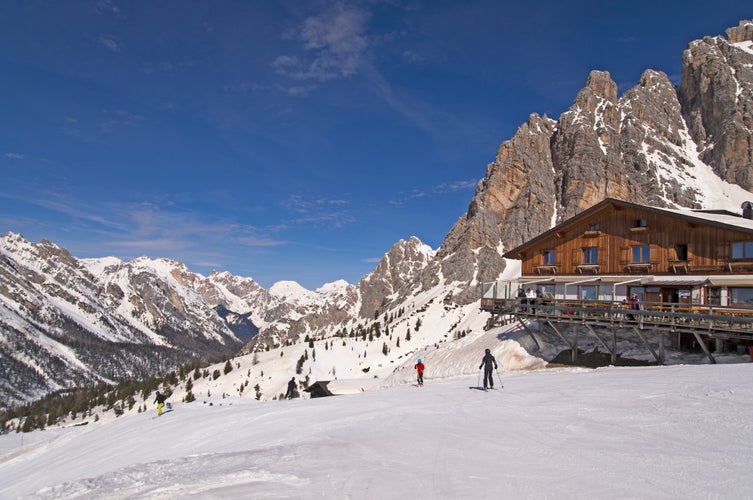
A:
{"points": [[602, 85], [717, 97], [743, 32]]}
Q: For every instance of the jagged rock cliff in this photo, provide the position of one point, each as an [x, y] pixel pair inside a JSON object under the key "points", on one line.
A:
{"points": [[717, 97]]}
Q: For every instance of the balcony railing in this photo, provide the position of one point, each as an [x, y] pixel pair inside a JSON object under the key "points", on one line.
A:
{"points": [[734, 322]]}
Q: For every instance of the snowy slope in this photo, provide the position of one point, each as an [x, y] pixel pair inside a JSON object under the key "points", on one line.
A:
{"points": [[659, 432]]}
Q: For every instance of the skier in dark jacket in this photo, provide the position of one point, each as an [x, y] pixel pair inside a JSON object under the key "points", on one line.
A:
{"points": [[160, 400], [291, 389], [488, 362]]}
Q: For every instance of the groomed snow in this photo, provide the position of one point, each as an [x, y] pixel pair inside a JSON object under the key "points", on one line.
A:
{"points": [[657, 432]]}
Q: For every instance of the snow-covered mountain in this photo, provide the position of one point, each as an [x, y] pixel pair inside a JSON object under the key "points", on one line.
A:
{"points": [[65, 322]]}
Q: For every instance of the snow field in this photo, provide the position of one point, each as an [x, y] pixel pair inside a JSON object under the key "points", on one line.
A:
{"points": [[656, 432]]}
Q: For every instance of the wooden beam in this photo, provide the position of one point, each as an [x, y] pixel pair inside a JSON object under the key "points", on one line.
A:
{"points": [[593, 332], [656, 356], [704, 347], [529, 332]]}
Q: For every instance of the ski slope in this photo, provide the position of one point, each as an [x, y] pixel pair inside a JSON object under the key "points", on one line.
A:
{"points": [[677, 431]]}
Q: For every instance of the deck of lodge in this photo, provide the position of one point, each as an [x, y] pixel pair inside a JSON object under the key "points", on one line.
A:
{"points": [[704, 323]]}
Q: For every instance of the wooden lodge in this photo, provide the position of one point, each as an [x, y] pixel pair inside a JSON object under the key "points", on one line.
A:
{"points": [[676, 267]]}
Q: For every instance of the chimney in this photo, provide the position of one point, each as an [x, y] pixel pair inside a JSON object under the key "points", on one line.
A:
{"points": [[747, 210]]}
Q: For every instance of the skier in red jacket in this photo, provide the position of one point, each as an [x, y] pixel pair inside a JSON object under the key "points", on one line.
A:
{"points": [[420, 370]]}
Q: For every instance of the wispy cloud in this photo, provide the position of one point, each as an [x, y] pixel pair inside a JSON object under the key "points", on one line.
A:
{"points": [[109, 7], [454, 187], [117, 119], [93, 129], [298, 203], [149, 220], [15, 156], [61, 203], [147, 228], [334, 45], [318, 211], [438, 190], [110, 42]]}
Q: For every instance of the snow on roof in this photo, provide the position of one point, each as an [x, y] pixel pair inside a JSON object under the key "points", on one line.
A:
{"points": [[718, 218]]}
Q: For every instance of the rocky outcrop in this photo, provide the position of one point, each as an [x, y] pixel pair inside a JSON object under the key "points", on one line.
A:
{"points": [[395, 275], [717, 97], [741, 33]]}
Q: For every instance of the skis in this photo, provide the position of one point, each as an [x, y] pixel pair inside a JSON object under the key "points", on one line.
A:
{"points": [[485, 389], [158, 416]]}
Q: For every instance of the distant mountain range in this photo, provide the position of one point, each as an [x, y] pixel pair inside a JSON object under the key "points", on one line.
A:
{"points": [[67, 321]]}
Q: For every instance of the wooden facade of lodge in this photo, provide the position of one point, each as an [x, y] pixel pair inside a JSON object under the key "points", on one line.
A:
{"points": [[692, 272]]}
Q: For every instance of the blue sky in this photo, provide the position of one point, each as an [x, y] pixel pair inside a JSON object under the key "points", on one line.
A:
{"points": [[291, 140]]}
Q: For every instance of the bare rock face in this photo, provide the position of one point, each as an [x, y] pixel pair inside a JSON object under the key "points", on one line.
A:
{"points": [[717, 97], [511, 203], [743, 32], [396, 273], [585, 147]]}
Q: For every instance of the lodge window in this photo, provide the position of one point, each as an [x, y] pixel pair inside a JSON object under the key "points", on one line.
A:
{"points": [[641, 254], [588, 292], [640, 223], [681, 251], [594, 227], [714, 296], [740, 296], [547, 291], [742, 250], [591, 255], [549, 257]]}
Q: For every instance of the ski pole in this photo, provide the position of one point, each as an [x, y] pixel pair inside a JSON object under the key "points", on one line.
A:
{"points": [[500, 378]]}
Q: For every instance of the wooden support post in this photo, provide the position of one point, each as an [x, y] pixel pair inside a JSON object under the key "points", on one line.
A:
{"points": [[575, 348], [560, 335], [661, 346], [610, 350], [656, 356], [529, 332], [704, 347], [614, 346]]}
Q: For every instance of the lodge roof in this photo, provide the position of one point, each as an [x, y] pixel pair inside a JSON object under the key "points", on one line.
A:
{"points": [[722, 218]]}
